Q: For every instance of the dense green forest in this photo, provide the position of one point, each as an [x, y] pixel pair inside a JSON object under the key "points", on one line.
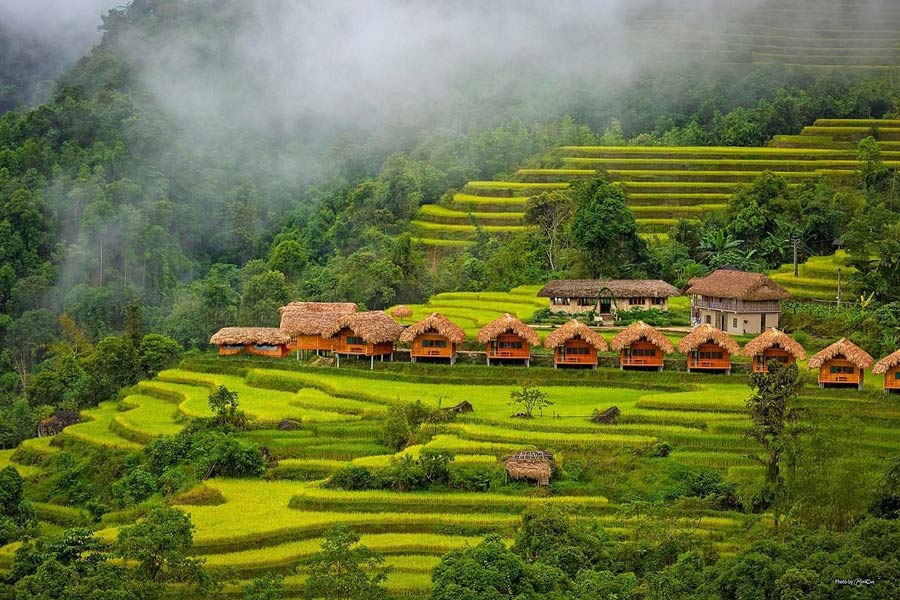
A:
{"points": [[127, 237]]}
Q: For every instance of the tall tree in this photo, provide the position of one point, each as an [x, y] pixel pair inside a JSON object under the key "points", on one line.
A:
{"points": [[552, 214], [346, 570]]}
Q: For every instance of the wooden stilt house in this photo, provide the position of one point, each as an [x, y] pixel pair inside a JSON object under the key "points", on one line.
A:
{"points": [[843, 363], [773, 345], [262, 341], [708, 349], [889, 366], [575, 345], [434, 337], [364, 334], [508, 338], [306, 322], [641, 346]]}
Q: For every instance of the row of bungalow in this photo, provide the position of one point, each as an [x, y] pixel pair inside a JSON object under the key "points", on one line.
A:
{"points": [[337, 328]]}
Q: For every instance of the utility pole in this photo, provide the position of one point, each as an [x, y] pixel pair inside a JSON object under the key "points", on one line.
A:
{"points": [[796, 242], [839, 288]]}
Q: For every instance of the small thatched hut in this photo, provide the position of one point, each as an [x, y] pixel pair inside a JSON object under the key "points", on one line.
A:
{"points": [[434, 337], [306, 322], [508, 338], [708, 349], [843, 363], [641, 346], [889, 366], [401, 312], [532, 465], [773, 345], [264, 341], [364, 334], [575, 344]]}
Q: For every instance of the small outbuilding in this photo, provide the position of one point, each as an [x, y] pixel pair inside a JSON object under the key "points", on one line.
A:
{"points": [[507, 338], [889, 366], [641, 346], [708, 349], [369, 334], [576, 345], [531, 465], [262, 341], [306, 322], [434, 337], [843, 363], [773, 344], [401, 312]]}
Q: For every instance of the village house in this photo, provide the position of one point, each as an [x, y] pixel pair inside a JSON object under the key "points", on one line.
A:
{"points": [[507, 338], [735, 301], [367, 334], [575, 344], [434, 337], [607, 297], [641, 346], [708, 349], [770, 345], [889, 366], [306, 322], [262, 341], [842, 364]]}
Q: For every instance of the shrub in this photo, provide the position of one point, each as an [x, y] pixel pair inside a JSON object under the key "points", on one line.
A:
{"points": [[354, 477], [135, 487]]}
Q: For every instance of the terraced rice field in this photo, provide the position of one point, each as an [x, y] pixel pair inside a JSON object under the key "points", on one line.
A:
{"points": [[474, 310], [822, 34], [282, 518], [662, 184], [818, 277]]}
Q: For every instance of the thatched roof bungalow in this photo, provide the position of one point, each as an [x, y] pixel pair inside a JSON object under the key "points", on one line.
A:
{"points": [[641, 346], [575, 344], [434, 337], [401, 312], [736, 301], [364, 334], [606, 297], [889, 366], [306, 322], [843, 363], [264, 341], [508, 338], [532, 465], [708, 349], [773, 344]]}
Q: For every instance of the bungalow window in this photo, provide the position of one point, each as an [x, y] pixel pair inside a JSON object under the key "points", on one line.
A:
{"points": [[636, 301], [643, 352], [896, 374], [586, 302], [355, 341], [659, 301], [509, 345], [576, 350], [711, 355], [734, 322], [233, 346], [709, 319], [434, 343], [265, 347], [841, 370]]}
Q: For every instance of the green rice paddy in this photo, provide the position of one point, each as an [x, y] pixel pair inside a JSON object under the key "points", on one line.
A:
{"points": [[662, 184], [283, 517]]}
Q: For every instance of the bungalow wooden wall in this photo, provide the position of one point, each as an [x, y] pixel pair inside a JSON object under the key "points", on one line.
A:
{"points": [[279, 351], [420, 350], [575, 352], [495, 348], [631, 359], [773, 353], [853, 375], [230, 351], [310, 342], [892, 379], [696, 359], [341, 345]]}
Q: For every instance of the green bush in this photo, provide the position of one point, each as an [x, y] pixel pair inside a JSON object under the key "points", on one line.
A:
{"points": [[135, 487], [354, 477]]}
